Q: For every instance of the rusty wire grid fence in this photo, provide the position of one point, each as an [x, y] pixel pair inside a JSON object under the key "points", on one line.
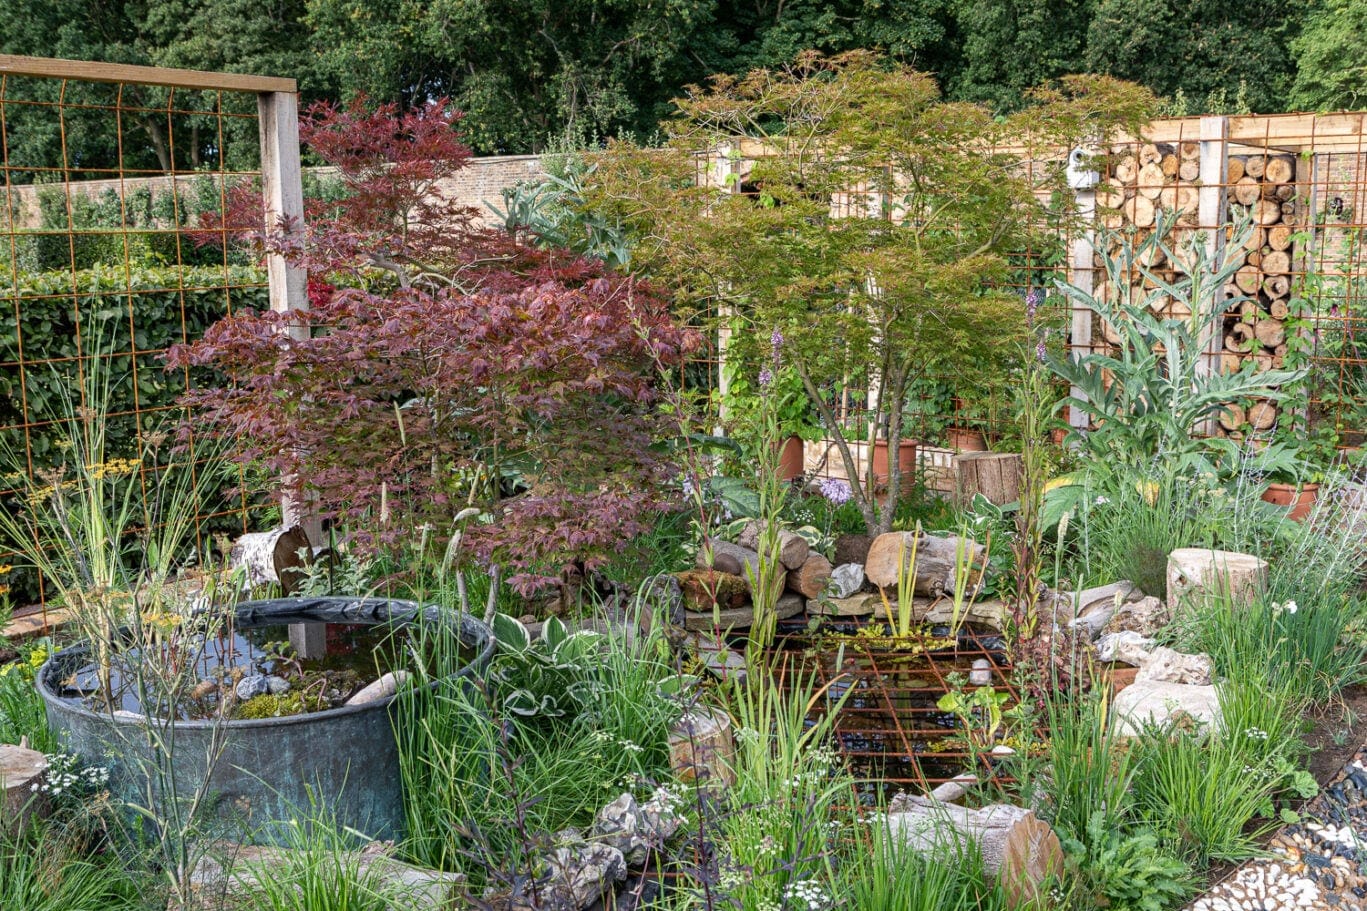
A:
{"points": [[111, 252]]}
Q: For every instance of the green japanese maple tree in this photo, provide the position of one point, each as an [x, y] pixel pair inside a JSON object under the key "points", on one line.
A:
{"points": [[842, 202]]}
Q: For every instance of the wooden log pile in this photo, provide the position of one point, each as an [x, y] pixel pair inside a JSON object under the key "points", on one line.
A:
{"points": [[1153, 178]]}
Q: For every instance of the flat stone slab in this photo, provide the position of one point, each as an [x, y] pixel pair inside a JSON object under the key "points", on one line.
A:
{"points": [[940, 612], [740, 618]]}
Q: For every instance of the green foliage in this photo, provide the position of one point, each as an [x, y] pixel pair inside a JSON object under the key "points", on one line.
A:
{"points": [[1331, 63], [21, 708], [551, 676], [1161, 393], [50, 869], [1091, 769], [1210, 53], [1124, 872], [51, 307], [320, 869], [480, 782], [889, 876], [1198, 793]]}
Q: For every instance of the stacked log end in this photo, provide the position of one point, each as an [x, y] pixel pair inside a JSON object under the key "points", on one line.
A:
{"points": [[1262, 188], [1150, 179]]}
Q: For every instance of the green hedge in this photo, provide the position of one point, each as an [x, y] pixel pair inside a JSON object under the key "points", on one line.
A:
{"points": [[48, 311], [54, 309]]}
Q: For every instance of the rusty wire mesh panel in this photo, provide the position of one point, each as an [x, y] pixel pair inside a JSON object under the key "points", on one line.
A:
{"points": [[108, 256]]}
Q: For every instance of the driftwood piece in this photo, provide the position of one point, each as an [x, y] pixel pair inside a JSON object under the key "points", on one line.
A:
{"points": [[995, 475], [21, 771], [276, 556], [935, 561], [793, 549], [1017, 847], [1195, 572], [725, 555]]}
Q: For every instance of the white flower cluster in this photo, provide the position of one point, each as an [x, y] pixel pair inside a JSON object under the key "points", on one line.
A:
{"points": [[66, 777], [605, 737], [806, 895], [668, 798], [1255, 734], [1288, 607]]}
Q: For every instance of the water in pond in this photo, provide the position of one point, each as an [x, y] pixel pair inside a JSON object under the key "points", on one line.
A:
{"points": [[889, 726], [215, 666]]}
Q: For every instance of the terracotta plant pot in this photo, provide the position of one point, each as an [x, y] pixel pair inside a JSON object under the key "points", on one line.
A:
{"points": [[1299, 500], [906, 462], [962, 439], [790, 458], [1118, 676]]}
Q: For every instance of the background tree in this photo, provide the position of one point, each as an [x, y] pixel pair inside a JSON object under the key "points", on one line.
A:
{"points": [[1006, 47], [868, 233], [1211, 55], [1331, 58]]}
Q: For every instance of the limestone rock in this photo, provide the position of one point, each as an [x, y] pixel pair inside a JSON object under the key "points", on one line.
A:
{"points": [[701, 586], [386, 686], [852, 549], [859, 605], [846, 580], [1096, 606], [581, 874], [1196, 571], [636, 829], [1155, 702], [809, 579], [1127, 647], [1166, 665], [1146, 616], [228, 874]]}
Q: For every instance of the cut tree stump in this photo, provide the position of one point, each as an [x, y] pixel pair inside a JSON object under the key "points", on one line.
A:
{"points": [[1196, 571], [702, 748], [21, 771], [995, 475], [809, 579], [1017, 847]]}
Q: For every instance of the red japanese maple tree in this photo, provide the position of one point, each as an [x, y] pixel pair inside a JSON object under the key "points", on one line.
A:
{"points": [[443, 364]]}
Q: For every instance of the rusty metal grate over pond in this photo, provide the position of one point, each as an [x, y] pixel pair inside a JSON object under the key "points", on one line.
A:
{"points": [[890, 728]]}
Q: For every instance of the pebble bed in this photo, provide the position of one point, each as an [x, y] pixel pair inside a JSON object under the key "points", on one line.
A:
{"points": [[1316, 863]]}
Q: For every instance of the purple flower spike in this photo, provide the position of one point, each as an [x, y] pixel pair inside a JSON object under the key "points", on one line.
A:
{"points": [[776, 341], [1040, 352], [766, 377]]}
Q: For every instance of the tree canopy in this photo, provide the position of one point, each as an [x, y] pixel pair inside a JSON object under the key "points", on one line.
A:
{"points": [[529, 73]]}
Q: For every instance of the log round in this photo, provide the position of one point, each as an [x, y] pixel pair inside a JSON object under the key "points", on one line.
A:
{"points": [[1247, 191], [1277, 286], [1271, 332], [1197, 572], [1267, 211], [1126, 169], [1248, 278], [1189, 169], [1150, 153], [1279, 237], [1017, 847], [1140, 211], [1233, 417], [1279, 170], [21, 771], [1235, 171], [1255, 165], [1277, 262], [1151, 180], [1262, 415], [1190, 150], [1278, 309], [1240, 338]]}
